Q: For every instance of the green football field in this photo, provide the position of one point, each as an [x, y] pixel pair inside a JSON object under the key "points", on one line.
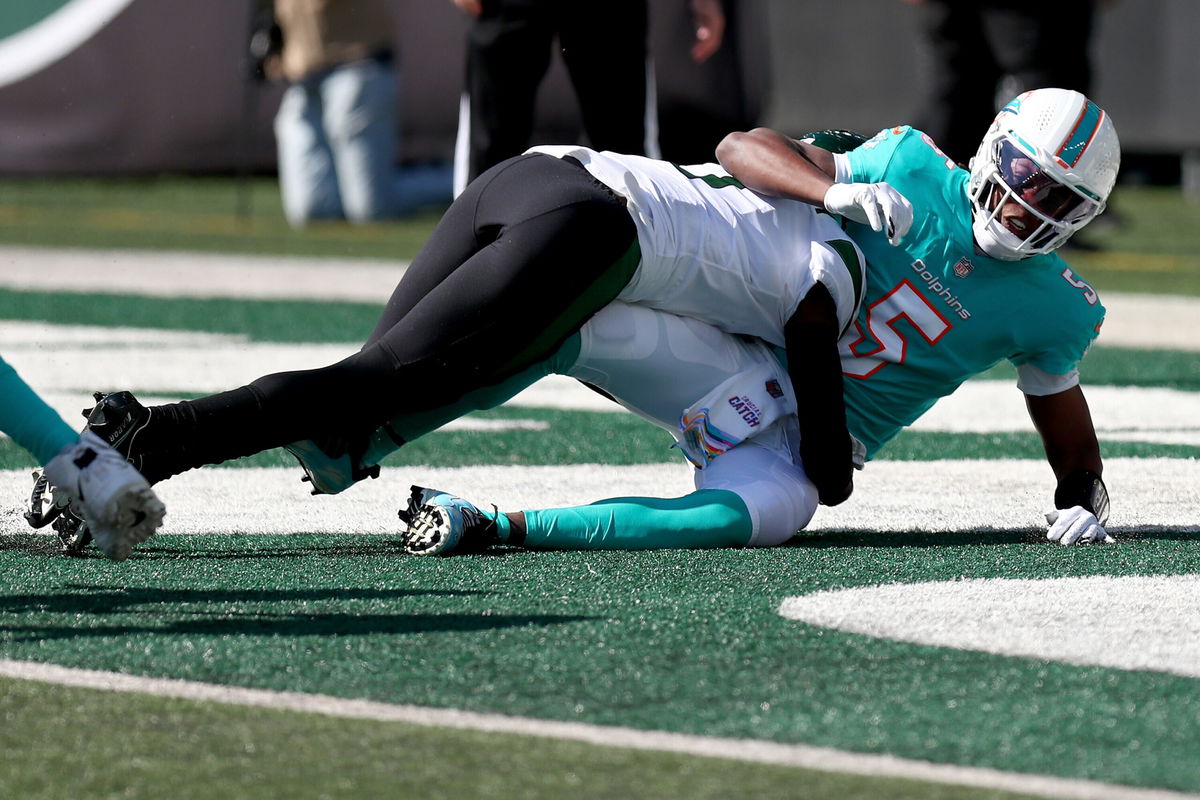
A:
{"points": [[920, 641]]}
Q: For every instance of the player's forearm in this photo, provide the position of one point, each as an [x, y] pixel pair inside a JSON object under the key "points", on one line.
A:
{"points": [[1080, 454], [1064, 423], [824, 438], [774, 165], [816, 374]]}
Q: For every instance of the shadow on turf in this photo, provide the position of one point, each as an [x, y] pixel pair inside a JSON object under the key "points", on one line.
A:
{"points": [[89, 605], [293, 626], [93, 599], [205, 552], [201, 548], [33, 544]]}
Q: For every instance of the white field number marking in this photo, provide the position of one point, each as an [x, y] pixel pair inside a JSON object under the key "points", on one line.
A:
{"points": [[1131, 622]]}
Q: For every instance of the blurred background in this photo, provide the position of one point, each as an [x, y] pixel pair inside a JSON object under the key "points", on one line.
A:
{"points": [[147, 124], [127, 87]]}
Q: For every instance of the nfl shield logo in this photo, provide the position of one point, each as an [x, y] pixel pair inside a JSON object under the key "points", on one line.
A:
{"points": [[963, 268]]}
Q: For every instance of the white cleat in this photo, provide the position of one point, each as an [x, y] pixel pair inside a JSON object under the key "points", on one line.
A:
{"points": [[118, 504]]}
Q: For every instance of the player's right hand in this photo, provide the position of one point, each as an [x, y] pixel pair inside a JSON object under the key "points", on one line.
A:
{"points": [[829, 497], [875, 204], [830, 468]]}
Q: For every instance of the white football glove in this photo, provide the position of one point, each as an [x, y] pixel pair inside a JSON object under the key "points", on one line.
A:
{"points": [[875, 204], [1076, 525]]}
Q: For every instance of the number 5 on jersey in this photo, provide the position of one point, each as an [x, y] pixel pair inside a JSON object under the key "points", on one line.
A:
{"points": [[902, 303]]}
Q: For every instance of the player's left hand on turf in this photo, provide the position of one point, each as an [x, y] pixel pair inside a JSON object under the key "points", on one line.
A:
{"points": [[1076, 525]]}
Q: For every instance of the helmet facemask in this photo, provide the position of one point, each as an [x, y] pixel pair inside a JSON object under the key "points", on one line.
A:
{"points": [[1011, 175], [1051, 153]]}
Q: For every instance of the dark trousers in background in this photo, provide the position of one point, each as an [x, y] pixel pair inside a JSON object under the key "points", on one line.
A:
{"points": [[1035, 43], [509, 49]]}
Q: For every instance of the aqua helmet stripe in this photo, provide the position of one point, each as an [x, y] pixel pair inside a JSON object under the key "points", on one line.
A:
{"points": [[1081, 135]]}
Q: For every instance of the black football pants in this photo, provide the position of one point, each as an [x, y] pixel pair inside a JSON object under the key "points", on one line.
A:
{"points": [[518, 263]]}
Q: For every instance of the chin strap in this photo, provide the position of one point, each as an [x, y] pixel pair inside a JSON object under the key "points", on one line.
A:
{"points": [[1082, 487]]}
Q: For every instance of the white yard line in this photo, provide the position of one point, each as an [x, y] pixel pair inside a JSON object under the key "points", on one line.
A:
{"points": [[1151, 321], [61, 360], [1148, 494], [1155, 416], [273, 500], [1131, 413], [1133, 320], [67, 362], [176, 274], [823, 759], [890, 497]]}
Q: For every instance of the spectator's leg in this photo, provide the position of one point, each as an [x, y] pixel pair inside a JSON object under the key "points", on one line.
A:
{"points": [[962, 99], [508, 53], [1043, 45], [360, 121], [307, 177], [607, 58]]}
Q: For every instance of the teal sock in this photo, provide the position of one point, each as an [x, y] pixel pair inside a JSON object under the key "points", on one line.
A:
{"points": [[503, 525], [706, 518], [29, 421]]}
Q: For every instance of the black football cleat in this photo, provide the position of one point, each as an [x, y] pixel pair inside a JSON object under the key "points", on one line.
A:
{"points": [[119, 419], [72, 530]]}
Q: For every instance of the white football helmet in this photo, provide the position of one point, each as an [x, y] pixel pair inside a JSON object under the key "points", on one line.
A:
{"points": [[1056, 153]]}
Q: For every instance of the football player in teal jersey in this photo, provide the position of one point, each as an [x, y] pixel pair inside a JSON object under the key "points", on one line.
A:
{"points": [[963, 272]]}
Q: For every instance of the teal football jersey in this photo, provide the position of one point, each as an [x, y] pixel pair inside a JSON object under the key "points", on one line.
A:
{"points": [[936, 311]]}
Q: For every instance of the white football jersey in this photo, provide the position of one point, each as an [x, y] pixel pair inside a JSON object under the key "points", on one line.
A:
{"points": [[716, 251]]}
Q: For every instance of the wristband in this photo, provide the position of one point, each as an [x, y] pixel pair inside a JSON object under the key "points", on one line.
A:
{"points": [[1082, 487]]}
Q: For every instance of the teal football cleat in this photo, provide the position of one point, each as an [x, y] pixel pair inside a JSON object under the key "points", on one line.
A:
{"points": [[440, 523], [326, 473]]}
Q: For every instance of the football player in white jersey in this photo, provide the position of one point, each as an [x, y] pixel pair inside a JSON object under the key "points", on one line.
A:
{"points": [[967, 275], [516, 267]]}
